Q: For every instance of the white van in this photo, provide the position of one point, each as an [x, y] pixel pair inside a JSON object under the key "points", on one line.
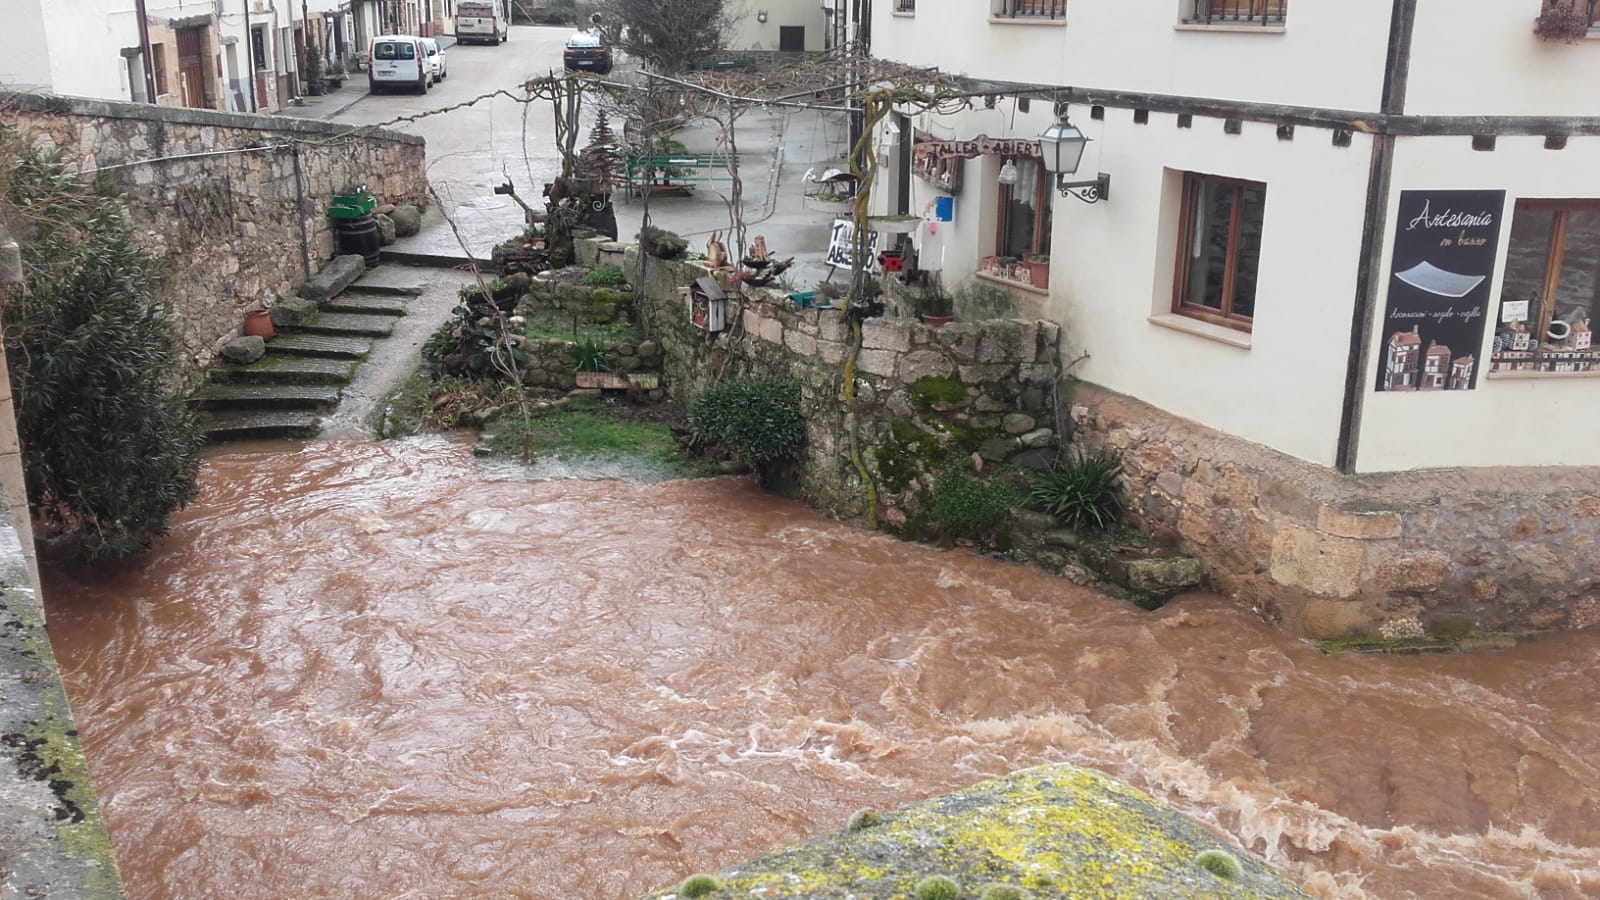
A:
{"points": [[482, 22], [398, 61]]}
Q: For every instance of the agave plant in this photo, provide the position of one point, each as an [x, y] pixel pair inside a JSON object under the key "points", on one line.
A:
{"points": [[1084, 490]]}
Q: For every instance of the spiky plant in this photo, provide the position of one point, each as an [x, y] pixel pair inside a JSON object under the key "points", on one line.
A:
{"points": [[1084, 490]]}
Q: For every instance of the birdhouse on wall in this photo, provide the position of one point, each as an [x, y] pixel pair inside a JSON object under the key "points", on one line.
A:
{"points": [[708, 305]]}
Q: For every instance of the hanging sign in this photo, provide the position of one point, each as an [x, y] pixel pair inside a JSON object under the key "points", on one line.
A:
{"points": [[1442, 270], [841, 245], [982, 145]]}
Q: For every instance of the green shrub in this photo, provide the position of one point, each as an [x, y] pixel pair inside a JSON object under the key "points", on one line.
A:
{"points": [[590, 355], [698, 886], [965, 505], [110, 447], [937, 887], [1002, 892], [1084, 491], [866, 818], [606, 274], [1219, 863], [757, 418]]}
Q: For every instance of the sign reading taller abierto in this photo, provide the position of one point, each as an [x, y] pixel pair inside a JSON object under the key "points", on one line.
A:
{"points": [[1440, 276]]}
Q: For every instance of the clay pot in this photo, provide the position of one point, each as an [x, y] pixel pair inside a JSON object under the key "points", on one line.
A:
{"points": [[259, 324]]}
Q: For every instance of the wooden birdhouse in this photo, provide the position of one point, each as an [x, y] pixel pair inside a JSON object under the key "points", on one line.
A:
{"points": [[708, 305]]}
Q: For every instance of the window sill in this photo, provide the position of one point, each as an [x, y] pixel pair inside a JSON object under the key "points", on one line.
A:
{"points": [[1027, 20], [1527, 375], [904, 13], [1199, 328], [1012, 283], [1231, 27]]}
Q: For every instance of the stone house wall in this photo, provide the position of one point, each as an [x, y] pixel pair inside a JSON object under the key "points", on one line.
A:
{"points": [[233, 206], [935, 394], [1329, 555]]}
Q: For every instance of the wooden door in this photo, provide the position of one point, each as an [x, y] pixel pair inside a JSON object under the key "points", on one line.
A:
{"points": [[191, 68]]}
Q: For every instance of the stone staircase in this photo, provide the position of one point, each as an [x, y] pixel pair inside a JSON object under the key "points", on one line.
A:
{"points": [[285, 393]]}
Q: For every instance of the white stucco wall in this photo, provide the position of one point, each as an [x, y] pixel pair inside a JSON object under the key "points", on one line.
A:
{"points": [[24, 50], [1482, 59], [751, 34], [1542, 420], [82, 42], [1328, 54]]}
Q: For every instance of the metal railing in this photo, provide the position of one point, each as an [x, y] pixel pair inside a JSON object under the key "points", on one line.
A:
{"points": [[1249, 12], [905, 6], [1031, 9]]}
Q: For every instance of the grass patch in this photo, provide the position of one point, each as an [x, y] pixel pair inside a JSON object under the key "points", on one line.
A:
{"points": [[583, 431]]}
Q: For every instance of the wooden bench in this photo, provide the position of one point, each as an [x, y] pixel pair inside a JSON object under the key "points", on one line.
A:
{"points": [[680, 171], [718, 64]]}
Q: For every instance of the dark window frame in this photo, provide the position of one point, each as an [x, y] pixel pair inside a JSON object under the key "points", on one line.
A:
{"points": [[1029, 10], [1239, 12], [1041, 209], [1193, 182], [1555, 251]]}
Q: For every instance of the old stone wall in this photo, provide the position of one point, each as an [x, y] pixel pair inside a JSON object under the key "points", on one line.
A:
{"points": [[924, 397], [1331, 555], [233, 206]]}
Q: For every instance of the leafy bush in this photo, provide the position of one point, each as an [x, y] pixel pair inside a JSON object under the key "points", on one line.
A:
{"points": [[591, 356], [1085, 491], [965, 505], [757, 418], [110, 447], [661, 243], [476, 342], [606, 274]]}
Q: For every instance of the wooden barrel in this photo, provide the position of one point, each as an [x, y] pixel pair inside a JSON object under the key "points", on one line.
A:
{"points": [[360, 236]]}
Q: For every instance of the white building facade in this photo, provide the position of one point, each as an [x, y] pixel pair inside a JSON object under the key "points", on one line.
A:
{"points": [[1359, 238]]}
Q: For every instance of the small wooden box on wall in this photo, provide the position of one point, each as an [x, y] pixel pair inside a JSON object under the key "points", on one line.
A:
{"points": [[708, 305]]}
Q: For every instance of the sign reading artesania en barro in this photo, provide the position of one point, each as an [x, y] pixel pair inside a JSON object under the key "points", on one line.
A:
{"points": [[1441, 273]]}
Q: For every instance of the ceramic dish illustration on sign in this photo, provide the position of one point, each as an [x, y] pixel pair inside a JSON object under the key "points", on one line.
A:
{"points": [[1429, 277]]}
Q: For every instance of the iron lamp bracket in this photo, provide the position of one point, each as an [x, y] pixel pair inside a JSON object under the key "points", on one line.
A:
{"points": [[1087, 191]]}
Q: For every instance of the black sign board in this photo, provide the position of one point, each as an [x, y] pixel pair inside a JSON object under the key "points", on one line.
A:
{"points": [[1440, 278]]}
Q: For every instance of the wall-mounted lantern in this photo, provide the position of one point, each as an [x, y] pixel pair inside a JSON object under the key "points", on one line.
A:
{"points": [[708, 305], [761, 17], [1062, 145]]}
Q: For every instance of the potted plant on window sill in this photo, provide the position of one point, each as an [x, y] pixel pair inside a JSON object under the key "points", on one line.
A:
{"points": [[1039, 270], [1564, 21]]}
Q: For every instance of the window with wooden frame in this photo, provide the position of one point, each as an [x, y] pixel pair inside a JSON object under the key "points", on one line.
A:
{"points": [[1023, 225], [1551, 289], [1219, 250]]}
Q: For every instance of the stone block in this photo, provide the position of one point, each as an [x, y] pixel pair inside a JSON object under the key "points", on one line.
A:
{"points": [[1038, 438], [1422, 571], [832, 327], [1032, 522], [998, 449], [386, 235], [830, 352], [752, 321], [1017, 423], [1325, 565], [649, 351], [1365, 526], [1524, 528], [921, 364], [337, 275], [771, 330], [1586, 508], [886, 334], [801, 343], [292, 311], [1006, 341], [244, 350], [1329, 619], [1166, 575], [1287, 500], [960, 339], [407, 220], [878, 362]]}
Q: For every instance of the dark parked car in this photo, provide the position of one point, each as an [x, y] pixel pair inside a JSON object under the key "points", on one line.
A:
{"points": [[587, 52]]}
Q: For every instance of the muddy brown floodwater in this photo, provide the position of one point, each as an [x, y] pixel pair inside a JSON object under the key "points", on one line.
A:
{"points": [[388, 670]]}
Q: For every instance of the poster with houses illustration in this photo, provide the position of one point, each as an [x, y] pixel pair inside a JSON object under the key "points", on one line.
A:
{"points": [[1440, 277]]}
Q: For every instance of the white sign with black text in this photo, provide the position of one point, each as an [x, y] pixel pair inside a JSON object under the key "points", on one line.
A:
{"points": [[841, 245]]}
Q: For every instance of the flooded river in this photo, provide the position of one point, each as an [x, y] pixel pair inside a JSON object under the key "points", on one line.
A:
{"points": [[386, 670]]}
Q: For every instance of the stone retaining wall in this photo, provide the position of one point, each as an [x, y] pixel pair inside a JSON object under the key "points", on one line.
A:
{"points": [[231, 229], [925, 397], [1329, 555]]}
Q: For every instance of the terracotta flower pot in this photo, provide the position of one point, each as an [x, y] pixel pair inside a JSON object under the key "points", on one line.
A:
{"points": [[1039, 274], [259, 324]]}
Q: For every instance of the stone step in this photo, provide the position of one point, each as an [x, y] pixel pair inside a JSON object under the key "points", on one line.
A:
{"points": [[320, 345], [267, 396], [236, 425], [403, 282], [349, 324], [373, 304], [286, 369]]}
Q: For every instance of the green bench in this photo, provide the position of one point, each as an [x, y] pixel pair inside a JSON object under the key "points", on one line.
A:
{"points": [[675, 170]]}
